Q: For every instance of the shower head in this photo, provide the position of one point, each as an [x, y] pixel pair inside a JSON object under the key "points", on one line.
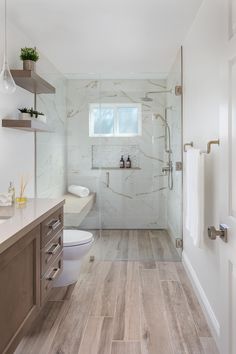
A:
{"points": [[146, 98]]}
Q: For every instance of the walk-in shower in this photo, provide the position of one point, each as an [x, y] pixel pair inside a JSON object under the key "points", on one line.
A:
{"points": [[137, 210]]}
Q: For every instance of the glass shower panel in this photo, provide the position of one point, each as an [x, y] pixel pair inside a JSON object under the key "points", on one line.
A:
{"points": [[174, 120], [137, 211]]}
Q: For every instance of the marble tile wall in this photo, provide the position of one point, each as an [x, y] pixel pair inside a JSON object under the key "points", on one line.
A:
{"points": [[134, 198], [51, 147]]}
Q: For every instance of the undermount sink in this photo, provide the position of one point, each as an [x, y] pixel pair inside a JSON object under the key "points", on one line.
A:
{"points": [[3, 220], [6, 213]]}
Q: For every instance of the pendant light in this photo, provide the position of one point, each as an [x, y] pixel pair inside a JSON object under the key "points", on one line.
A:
{"points": [[7, 84]]}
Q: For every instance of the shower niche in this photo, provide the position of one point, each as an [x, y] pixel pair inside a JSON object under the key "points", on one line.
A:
{"points": [[108, 156]]}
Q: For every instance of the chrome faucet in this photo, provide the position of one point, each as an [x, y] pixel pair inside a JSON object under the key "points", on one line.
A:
{"points": [[167, 168]]}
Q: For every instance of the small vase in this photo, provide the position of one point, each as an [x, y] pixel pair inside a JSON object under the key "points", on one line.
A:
{"points": [[29, 65], [21, 200]]}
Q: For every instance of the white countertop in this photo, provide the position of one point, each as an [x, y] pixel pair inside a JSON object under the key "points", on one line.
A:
{"points": [[23, 219]]}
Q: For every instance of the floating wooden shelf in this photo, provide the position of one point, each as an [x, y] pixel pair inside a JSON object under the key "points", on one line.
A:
{"points": [[31, 125], [32, 82]]}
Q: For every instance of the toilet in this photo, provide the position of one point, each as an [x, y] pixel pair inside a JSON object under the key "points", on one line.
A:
{"points": [[76, 244]]}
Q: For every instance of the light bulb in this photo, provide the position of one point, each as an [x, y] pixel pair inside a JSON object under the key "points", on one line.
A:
{"points": [[7, 84]]}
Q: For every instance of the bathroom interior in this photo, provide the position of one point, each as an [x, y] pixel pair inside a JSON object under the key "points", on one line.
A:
{"points": [[113, 152]]}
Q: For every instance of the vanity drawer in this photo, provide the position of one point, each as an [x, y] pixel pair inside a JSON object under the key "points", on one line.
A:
{"points": [[53, 272], [51, 251], [51, 226]]}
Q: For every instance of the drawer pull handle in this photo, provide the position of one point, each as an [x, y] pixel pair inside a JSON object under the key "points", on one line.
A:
{"points": [[54, 224], [54, 248], [54, 274]]}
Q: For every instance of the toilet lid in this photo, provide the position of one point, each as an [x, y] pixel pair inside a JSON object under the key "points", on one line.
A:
{"points": [[76, 237]]}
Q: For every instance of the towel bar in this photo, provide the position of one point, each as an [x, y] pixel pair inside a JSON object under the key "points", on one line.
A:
{"points": [[188, 144], [211, 142], [208, 150]]}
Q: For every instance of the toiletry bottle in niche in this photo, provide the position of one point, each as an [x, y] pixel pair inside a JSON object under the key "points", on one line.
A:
{"points": [[11, 191], [128, 162], [122, 162]]}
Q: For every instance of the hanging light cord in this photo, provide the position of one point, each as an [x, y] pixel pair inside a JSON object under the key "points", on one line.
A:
{"points": [[5, 33]]}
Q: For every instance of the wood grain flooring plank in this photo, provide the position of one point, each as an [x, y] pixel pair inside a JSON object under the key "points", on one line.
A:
{"points": [[154, 330], [127, 315], [209, 345], [133, 254], [162, 246], [112, 244], [126, 348], [106, 292], [41, 334], [122, 247], [145, 246], [167, 271], [70, 331], [97, 338], [147, 265], [182, 328], [198, 316]]}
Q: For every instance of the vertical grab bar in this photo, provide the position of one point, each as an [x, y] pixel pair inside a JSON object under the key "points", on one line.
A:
{"points": [[108, 179]]}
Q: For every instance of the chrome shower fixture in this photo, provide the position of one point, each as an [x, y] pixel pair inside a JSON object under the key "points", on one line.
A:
{"points": [[177, 90], [146, 98], [168, 169]]}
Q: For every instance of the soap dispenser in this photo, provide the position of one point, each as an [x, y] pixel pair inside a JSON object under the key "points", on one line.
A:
{"points": [[128, 162]]}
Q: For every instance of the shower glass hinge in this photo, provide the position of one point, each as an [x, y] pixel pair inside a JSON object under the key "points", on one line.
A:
{"points": [[178, 90], [178, 243], [178, 166]]}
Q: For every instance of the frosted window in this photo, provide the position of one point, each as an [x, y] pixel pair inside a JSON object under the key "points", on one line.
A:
{"points": [[115, 119], [103, 119], [128, 120]]}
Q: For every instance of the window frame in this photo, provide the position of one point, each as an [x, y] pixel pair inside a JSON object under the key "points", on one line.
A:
{"points": [[115, 107]]}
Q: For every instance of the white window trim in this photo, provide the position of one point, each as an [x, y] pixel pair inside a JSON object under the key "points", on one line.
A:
{"points": [[115, 133]]}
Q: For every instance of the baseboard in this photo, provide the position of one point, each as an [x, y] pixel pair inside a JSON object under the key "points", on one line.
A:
{"points": [[203, 300]]}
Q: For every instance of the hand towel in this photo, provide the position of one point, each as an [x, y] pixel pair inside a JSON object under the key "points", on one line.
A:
{"points": [[79, 191], [195, 196]]}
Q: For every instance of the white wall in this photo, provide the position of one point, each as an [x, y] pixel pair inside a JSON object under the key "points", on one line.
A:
{"points": [[17, 147], [202, 50]]}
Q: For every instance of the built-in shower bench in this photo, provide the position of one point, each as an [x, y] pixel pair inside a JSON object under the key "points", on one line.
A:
{"points": [[76, 208]]}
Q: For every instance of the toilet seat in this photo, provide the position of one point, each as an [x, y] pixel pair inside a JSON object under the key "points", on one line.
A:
{"points": [[76, 238]]}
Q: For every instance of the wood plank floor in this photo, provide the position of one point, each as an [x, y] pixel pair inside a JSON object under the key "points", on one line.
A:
{"points": [[122, 307], [134, 245]]}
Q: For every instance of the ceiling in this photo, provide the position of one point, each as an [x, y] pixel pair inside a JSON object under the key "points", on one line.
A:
{"points": [[106, 36]]}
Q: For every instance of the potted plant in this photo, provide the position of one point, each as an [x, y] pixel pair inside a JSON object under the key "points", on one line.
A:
{"points": [[28, 113], [24, 113], [40, 116], [29, 57]]}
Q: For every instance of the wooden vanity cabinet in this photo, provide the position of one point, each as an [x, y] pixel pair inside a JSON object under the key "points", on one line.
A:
{"points": [[19, 288], [27, 271]]}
